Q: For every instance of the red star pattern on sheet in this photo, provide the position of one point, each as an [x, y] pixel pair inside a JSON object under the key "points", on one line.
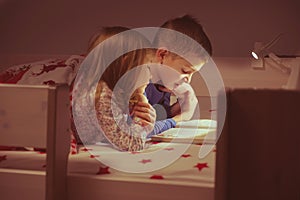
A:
{"points": [[49, 82], [103, 170], [200, 166], [14, 76], [86, 149], [155, 142], [169, 148], [144, 161], [73, 152], [186, 155], [156, 177], [94, 156], [51, 67], [2, 158]]}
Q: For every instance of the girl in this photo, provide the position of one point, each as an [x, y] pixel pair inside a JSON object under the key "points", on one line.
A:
{"points": [[102, 94]]}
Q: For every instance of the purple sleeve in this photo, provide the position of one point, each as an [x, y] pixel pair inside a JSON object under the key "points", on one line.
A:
{"points": [[161, 126], [156, 97]]}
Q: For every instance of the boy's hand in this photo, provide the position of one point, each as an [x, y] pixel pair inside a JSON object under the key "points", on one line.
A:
{"points": [[186, 105]]}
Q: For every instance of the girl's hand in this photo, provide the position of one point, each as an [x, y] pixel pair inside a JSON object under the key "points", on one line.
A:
{"points": [[144, 114]]}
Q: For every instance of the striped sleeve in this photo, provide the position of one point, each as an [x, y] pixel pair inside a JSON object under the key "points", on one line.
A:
{"points": [[161, 126]]}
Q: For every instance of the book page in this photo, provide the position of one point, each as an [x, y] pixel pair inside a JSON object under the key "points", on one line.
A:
{"points": [[197, 123], [186, 135]]}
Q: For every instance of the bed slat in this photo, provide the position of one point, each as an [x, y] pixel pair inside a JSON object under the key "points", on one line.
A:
{"points": [[23, 115]]}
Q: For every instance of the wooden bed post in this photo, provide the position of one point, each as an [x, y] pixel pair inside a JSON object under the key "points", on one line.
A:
{"points": [[58, 143], [258, 154], [221, 175]]}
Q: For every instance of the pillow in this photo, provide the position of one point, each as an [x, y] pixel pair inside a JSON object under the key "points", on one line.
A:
{"points": [[46, 72], [49, 72]]}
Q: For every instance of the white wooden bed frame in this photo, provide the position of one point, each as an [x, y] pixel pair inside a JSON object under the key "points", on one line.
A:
{"points": [[47, 109], [51, 117]]}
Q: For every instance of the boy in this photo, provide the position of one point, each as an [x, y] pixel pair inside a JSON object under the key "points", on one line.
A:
{"points": [[166, 43]]}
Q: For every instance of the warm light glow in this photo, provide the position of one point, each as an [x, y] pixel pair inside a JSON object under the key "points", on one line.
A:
{"points": [[254, 55]]}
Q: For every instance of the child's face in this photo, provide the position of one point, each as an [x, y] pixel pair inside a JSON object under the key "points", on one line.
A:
{"points": [[182, 72], [182, 66]]}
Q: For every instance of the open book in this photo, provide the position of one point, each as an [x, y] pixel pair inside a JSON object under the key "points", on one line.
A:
{"points": [[197, 123], [187, 135]]}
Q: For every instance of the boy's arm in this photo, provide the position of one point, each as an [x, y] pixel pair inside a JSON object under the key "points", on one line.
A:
{"points": [[161, 126]]}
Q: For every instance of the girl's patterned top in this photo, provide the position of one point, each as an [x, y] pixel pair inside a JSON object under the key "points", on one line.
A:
{"points": [[113, 125]]}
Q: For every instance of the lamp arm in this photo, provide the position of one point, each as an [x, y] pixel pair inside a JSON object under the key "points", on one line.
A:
{"points": [[272, 42], [279, 64], [293, 82]]}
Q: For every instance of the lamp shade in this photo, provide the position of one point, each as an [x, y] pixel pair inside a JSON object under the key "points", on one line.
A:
{"points": [[261, 50]]}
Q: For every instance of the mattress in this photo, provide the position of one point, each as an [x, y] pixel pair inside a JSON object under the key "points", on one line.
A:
{"points": [[187, 169]]}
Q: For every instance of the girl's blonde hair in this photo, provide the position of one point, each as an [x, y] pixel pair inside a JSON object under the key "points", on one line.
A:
{"points": [[124, 63], [102, 34]]}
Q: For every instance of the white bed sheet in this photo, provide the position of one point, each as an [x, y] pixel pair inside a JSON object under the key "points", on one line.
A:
{"points": [[187, 171]]}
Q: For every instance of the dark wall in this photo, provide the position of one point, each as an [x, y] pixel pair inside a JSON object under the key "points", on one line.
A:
{"points": [[64, 27]]}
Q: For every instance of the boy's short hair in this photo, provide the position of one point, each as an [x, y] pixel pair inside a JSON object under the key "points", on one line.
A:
{"points": [[188, 26]]}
